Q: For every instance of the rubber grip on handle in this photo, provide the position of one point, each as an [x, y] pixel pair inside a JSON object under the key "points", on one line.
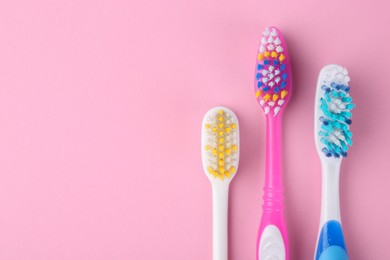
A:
{"points": [[331, 243]]}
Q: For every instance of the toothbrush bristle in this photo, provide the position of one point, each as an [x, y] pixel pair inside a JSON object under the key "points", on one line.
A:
{"points": [[220, 143], [335, 118], [273, 73]]}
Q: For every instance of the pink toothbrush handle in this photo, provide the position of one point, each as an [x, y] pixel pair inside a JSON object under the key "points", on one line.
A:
{"points": [[272, 241]]}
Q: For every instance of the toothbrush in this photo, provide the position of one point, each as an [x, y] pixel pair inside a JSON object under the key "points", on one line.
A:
{"points": [[273, 90], [220, 154], [333, 106]]}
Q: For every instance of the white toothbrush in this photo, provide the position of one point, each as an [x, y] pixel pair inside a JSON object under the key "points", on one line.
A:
{"points": [[220, 154], [332, 118]]}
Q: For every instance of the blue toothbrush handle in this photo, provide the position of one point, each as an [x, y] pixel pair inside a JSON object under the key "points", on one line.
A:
{"points": [[331, 245]]}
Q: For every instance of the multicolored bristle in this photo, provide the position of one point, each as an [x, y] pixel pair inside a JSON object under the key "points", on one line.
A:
{"points": [[220, 143], [334, 111], [273, 73]]}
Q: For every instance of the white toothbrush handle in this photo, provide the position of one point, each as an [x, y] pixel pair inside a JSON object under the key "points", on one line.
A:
{"points": [[220, 226], [330, 242], [330, 204]]}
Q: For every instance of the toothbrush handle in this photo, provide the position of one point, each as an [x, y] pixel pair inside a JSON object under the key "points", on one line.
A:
{"points": [[272, 241], [330, 243], [220, 226]]}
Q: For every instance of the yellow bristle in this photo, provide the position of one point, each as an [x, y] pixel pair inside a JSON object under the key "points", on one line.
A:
{"points": [[258, 93], [260, 56], [275, 97], [221, 155], [221, 112], [214, 151], [228, 151], [234, 147], [220, 125], [267, 97], [207, 126], [207, 147], [221, 147], [274, 54], [232, 169], [282, 57], [284, 93], [220, 176], [210, 169], [221, 162], [221, 140], [266, 54], [215, 129], [234, 126], [227, 129], [220, 118]]}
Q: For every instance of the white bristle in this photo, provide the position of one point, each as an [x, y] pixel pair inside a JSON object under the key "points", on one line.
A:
{"points": [[279, 49], [276, 110], [271, 84], [277, 80], [274, 33], [271, 103], [271, 47], [281, 102], [262, 49], [266, 110], [262, 102], [277, 72], [277, 41]]}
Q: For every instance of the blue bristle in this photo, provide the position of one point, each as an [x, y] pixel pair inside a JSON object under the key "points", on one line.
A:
{"points": [[276, 89], [325, 88], [327, 152], [258, 75], [266, 88], [276, 62], [259, 84], [284, 75], [335, 120], [283, 66], [266, 62], [259, 66], [283, 85]]}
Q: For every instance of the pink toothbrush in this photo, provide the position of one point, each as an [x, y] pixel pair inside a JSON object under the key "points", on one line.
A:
{"points": [[273, 90]]}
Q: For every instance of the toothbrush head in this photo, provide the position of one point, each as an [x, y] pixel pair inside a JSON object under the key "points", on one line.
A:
{"points": [[333, 115], [220, 144], [273, 82]]}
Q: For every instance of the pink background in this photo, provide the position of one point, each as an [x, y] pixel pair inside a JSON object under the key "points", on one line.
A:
{"points": [[100, 113]]}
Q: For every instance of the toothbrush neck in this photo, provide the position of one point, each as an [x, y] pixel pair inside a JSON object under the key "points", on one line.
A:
{"points": [[273, 186], [330, 209], [273, 166]]}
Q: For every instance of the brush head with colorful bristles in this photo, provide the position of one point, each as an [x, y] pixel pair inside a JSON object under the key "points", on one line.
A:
{"points": [[220, 144], [333, 115], [273, 82]]}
